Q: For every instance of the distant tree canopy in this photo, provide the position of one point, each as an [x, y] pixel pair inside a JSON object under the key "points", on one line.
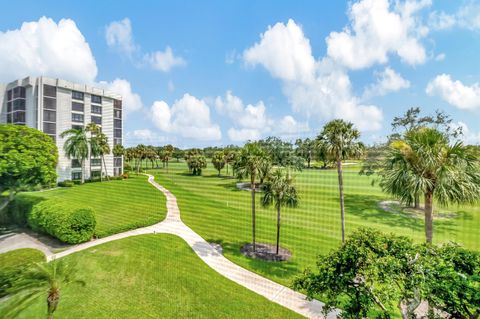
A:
{"points": [[28, 158]]}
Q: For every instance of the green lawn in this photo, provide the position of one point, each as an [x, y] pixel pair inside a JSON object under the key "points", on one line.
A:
{"points": [[219, 212], [119, 205], [153, 276]]}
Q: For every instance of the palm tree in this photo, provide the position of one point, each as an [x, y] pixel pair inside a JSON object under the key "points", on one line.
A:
{"points": [[248, 165], [425, 162], [77, 146], [279, 190], [341, 142], [168, 152], [42, 280], [218, 161]]}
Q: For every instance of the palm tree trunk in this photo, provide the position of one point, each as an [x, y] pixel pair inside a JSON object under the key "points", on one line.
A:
{"points": [[105, 166], [82, 179], [278, 229], [252, 185], [342, 204], [429, 216], [417, 202], [52, 303]]}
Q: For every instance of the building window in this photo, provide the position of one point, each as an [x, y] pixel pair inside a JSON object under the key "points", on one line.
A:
{"points": [[117, 123], [49, 116], [49, 103], [117, 133], [9, 107], [95, 174], [96, 162], [18, 117], [97, 120], [117, 171], [49, 128], [19, 105], [19, 92], [9, 95], [77, 127], [50, 91], [117, 114], [117, 161], [77, 95], [117, 141], [77, 117], [96, 99], [77, 107], [76, 176], [117, 104], [9, 118], [97, 109], [76, 163]]}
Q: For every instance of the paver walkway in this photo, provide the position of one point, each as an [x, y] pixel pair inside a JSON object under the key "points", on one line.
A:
{"points": [[173, 225]]}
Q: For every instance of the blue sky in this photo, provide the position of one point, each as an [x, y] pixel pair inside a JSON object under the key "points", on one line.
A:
{"points": [[219, 72]]}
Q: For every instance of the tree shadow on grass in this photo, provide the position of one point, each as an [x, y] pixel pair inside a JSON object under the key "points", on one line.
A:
{"points": [[282, 270], [366, 208]]}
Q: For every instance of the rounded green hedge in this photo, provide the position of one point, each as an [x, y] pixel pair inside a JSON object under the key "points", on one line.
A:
{"points": [[62, 220]]}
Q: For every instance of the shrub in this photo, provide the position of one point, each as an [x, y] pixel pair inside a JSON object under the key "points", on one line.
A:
{"points": [[66, 183], [59, 219], [125, 175], [19, 209]]}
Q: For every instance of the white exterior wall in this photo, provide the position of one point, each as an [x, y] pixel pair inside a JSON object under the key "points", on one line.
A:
{"points": [[34, 115]]}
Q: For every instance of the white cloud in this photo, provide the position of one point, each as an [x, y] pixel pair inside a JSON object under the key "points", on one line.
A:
{"points": [[230, 57], [45, 47], [466, 17], [319, 89], [244, 134], [440, 57], [164, 60], [377, 29], [144, 136], [289, 126], [188, 117], [468, 137], [284, 51], [118, 34], [131, 101], [387, 81], [455, 92]]}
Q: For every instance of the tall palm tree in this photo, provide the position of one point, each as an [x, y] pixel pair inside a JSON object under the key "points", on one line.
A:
{"points": [[340, 140], [42, 280], [168, 152], [77, 146], [425, 162], [248, 165], [98, 145], [279, 190]]}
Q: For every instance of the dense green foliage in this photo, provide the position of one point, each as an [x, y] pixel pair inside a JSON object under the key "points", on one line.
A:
{"points": [[28, 158], [153, 276], [218, 161], [119, 205], [14, 263], [77, 146], [196, 161], [377, 272], [63, 220]]}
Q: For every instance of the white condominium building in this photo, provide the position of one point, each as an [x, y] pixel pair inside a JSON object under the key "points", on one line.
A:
{"points": [[54, 106]]}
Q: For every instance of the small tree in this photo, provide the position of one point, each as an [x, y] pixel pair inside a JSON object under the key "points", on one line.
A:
{"points": [[196, 163], [280, 191], [218, 161], [28, 158], [426, 163], [340, 140], [42, 280]]}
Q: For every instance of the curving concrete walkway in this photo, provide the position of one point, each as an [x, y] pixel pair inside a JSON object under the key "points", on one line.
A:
{"points": [[173, 225]]}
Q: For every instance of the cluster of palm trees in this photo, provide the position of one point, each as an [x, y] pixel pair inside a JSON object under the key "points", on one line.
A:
{"points": [[143, 154], [89, 142]]}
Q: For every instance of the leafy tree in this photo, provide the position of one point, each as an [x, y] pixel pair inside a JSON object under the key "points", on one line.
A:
{"points": [[98, 145], [178, 154], [305, 149], [231, 155], [248, 164], [77, 145], [280, 191], [264, 169], [139, 153], [321, 153], [168, 153], [341, 142], [280, 152], [28, 158], [42, 280], [378, 272], [218, 161], [425, 163], [196, 163]]}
